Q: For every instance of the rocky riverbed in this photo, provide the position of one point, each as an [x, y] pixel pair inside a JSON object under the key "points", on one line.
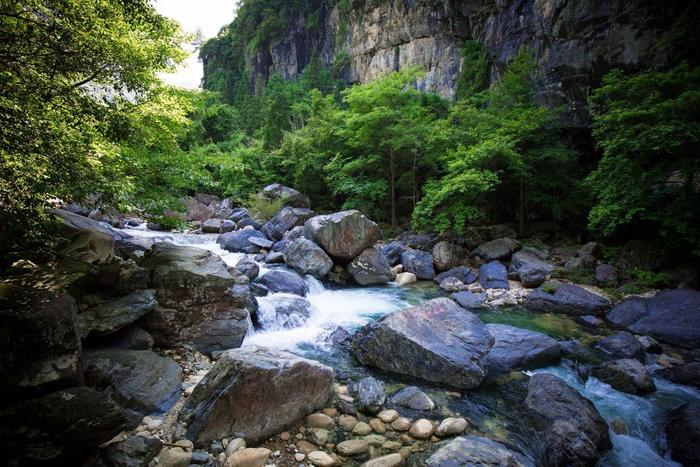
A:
{"points": [[311, 340]]}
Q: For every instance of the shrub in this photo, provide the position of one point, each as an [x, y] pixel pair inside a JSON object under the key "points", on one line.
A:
{"points": [[263, 208]]}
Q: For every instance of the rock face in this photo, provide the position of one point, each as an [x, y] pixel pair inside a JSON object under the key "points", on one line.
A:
{"points": [[283, 389], [419, 263], [305, 257], [671, 316], [370, 267], [572, 429], [60, 428], [200, 302], [519, 348], [626, 375], [476, 451], [239, 241], [683, 433], [343, 234], [493, 275], [281, 281], [290, 196], [569, 299], [47, 356], [437, 341], [501, 248], [285, 220], [112, 316], [139, 380], [446, 255]]}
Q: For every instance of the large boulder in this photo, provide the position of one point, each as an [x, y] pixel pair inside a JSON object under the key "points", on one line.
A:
{"points": [[493, 275], [437, 341], [281, 387], [240, 241], [462, 273], [370, 267], [134, 451], [501, 248], [343, 234], [283, 281], [286, 219], [519, 348], [626, 375], [198, 211], [39, 343], [476, 451], [247, 268], [687, 374], [369, 394], [446, 255], [467, 299], [529, 268], [200, 302], [289, 196], [671, 316], [622, 345], [418, 241], [305, 257], [112, 316], [419, 263], [569, 299], [392, 251], [141, 381], [683, 434], [61, 428], [571, 428]]}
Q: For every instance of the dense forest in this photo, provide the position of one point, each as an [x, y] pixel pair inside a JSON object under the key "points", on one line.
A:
{"points": [[87, 114]]}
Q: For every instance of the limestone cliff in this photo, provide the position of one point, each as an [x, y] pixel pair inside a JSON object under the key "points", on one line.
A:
{"points": [[574, 42]]}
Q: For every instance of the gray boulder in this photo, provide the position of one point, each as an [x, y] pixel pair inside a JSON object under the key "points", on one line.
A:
{"points": [[516, 348], [200, 302], [248, 268], [476, 451], [606, 275], [419, 263], [493, 275], [283, 281], [571, 428], [569, 299], [622, 345], [369, 394], [343, 234], [463, 273], [131, 338], [286, 219], [240, 241], [134, 451], [238, 214], [282, 387], [141, 381], [683, 433], [290, 196], [501, 248], [393, 251], [436, 341], [529, 268], [687, 374], [446, 255], [370, 267], [467, 299], [212, 226], [111, 316], [626, 375], [305, 257], [413, 398]]}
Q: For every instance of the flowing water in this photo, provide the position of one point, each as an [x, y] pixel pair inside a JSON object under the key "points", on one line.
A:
{"points": [[495, 407]]}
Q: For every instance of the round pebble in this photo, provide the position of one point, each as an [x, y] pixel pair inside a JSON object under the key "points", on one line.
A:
{"points": [[401, 424], [320, 459], [388, 416], [362, 428], [422, 429], [377, 425]]}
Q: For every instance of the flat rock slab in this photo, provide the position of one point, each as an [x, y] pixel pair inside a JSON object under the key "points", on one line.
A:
{"points": [[112, 316], [520, 348], [569, 299]]}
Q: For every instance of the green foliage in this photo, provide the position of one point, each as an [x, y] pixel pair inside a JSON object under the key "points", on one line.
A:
{"points": [[651, 280], [549, 287], [648, 129], [168, 222], [474, 76], [263, 208]]}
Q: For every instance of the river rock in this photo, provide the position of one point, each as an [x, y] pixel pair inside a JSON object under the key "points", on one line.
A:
{"points": [[175, 457], [198, 211], [290, 196], [134, 451], [390, 460], [437, 341], [493, 275], [419, 263], [321, 459], [569, 299], [476, 451], [369, 394], [451, 426], [581, 264], [405, 278], [413, 398], [39, 343], [452, 284], [238, 214], [683, 434], [446, 255], [529, 268], [282, 387], [240, 241], [139, 380], [370, 268], [572, 430], [248, 457], [305, 257], [343, 234], [687, 374], [462, 273], [274, 257], [626, 375], [500, 248], [671, 316], [111, 316], [200, 302], [248, 268], [421, 429], [283, 281], [286, 219], [622, 345], [352, 447], [606, 275], [393, 251], [520, 348], [212, 226], [320, 420], [467, 299], [61, 428], [130, 338]]}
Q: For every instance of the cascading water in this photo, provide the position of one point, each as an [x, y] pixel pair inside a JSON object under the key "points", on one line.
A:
{"points": [[304, 332]]}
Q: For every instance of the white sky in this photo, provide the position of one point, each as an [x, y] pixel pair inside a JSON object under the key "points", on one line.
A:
{"points": [[206, 15]]}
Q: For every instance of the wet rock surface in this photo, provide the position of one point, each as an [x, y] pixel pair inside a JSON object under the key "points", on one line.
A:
{"points": [[519, 348], [568, 299], [343, 234]]}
